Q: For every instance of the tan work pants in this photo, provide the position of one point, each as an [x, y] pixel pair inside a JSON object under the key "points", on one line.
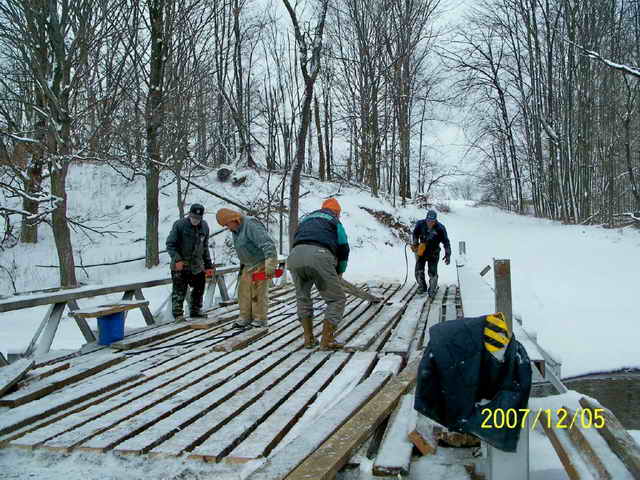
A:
{"points": [[253, 297]]}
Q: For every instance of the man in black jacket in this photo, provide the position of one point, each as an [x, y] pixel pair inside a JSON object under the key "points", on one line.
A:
{"points": [[188, 246], [319, 256], [428, 234]]}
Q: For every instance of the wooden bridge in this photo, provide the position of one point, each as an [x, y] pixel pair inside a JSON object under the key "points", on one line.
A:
{"points": [[216, 394]]}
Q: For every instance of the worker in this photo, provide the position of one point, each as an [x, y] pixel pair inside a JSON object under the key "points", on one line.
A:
{"points": [[257, 252], [428, 234], [188, 247], [319, 256]]}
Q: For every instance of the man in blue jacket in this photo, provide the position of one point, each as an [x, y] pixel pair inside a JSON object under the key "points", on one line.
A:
{"points": [[319, 256], [428, 234]]}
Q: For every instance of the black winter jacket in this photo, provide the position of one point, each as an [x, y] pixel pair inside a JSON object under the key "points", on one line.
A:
{"points": [[456, 372], [190, 244], [432, 237], [323, 228]]}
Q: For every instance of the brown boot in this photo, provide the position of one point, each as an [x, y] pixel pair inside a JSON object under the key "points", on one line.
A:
{"points": [[309, 338], [327, 342]]}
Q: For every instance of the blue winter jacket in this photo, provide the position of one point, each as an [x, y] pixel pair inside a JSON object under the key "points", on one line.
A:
{"points": [[433, 237], [323, 228]]}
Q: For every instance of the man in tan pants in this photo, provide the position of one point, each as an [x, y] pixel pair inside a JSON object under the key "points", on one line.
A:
{"points": [[257, 252]]}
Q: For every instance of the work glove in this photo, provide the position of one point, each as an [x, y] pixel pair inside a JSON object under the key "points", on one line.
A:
{"points": [[447, 259], [179, 266], [209, 272], [270, 265]]}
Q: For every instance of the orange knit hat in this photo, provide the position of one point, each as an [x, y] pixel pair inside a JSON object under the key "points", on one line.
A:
{"points": [[332, 204], [226, 215]]}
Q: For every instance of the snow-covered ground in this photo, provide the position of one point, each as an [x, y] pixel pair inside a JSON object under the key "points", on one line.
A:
{"points": [[573, 285]]}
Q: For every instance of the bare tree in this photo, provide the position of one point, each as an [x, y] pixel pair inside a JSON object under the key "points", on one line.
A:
{"points": [[310, 46]]}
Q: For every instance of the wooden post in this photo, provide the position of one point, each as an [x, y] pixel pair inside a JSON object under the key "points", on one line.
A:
{"points": [[462, 248], [502, 278]]}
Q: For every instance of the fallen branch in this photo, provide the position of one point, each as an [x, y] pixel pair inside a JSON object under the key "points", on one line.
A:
{"points": [[242, 207]]}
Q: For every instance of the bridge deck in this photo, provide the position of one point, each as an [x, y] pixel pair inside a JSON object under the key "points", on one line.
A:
{"points": [[206, 391]]}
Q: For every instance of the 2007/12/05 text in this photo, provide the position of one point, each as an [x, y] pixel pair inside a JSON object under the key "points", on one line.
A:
{"points": [[563, 418]]}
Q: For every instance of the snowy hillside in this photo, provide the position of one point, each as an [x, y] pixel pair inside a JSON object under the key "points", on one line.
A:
{"points": [[568, 281]]}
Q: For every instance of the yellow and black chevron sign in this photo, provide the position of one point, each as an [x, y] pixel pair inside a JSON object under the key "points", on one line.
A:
{"points": [[496, 332]]}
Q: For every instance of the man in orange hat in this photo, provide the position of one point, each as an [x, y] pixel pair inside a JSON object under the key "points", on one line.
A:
{"points": [[256, 251], [319, 256]]}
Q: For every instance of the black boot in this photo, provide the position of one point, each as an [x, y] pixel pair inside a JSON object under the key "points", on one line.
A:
{"points": [[198, 314]]}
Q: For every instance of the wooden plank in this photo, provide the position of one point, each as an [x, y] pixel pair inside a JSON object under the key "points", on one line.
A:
{"points": [[11, 375], [403, 334], [585, 449], [149, 336], [433, 318], [43, 372], [617, 437], [225, 389], [270, 432], [450, 312], [152, 383], [394, 455], [333, 454], [55, 382], [240, 341], [385, 316], [390, 362], [285, 460], [360, 317], [109, 308], [157, 431], [128, 415], [27, 414], [422, 435], [269, 398], [188, 413], [340, 387], [569, 461]]}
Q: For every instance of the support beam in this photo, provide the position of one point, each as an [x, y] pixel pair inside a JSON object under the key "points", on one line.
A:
{"points": [[3, 361], [34, 341], [82, 323], [127, 295], [50, 329], [224, 293], [146, 312]]}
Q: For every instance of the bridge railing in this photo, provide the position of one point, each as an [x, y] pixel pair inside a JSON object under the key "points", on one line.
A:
{"points": [[63, 299]]}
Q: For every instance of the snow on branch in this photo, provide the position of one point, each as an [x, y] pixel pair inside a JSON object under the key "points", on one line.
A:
{"points": [[626, 69]]}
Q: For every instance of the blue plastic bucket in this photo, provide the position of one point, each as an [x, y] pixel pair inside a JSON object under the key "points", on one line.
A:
{"points": [[110, 328]]}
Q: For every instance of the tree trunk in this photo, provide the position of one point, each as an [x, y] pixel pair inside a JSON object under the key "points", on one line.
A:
{"points": [[294, 188], [321, 166], [154, 114]]}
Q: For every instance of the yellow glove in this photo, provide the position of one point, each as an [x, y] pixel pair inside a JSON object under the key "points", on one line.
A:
{"points": [[270, 265], [421, 248]]}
